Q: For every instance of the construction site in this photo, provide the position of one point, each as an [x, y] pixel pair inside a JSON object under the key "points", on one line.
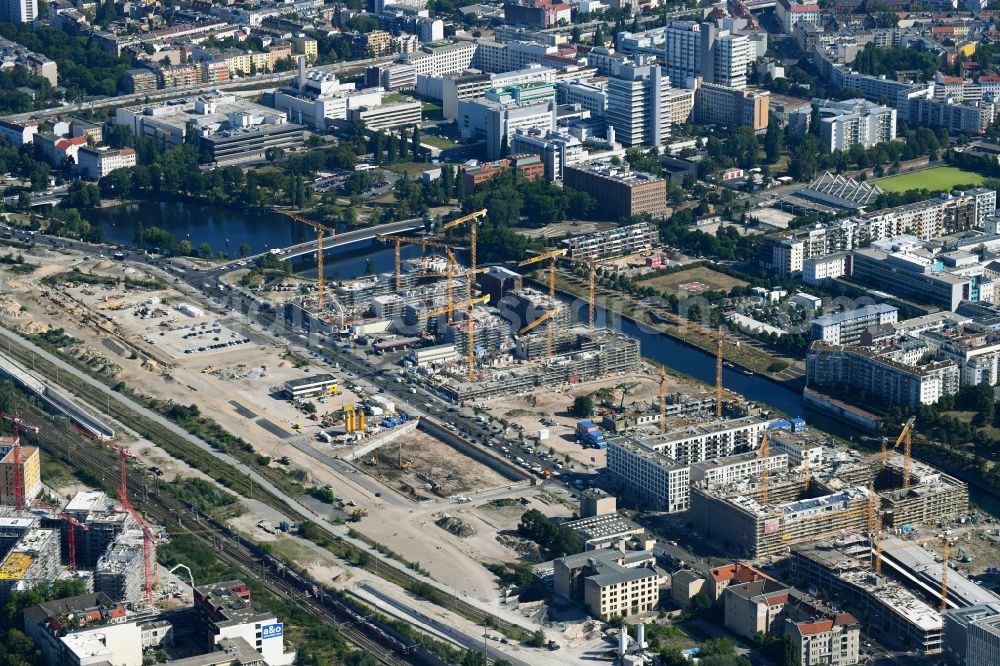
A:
{"points": [[828, 494]]}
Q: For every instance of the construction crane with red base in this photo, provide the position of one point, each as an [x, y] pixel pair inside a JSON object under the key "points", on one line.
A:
{"points": [[18, 425], [147, 534], [70, 533]]}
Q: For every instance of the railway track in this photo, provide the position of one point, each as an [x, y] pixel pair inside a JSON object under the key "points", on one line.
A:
{"points": [[226, 474], [381, 641]]}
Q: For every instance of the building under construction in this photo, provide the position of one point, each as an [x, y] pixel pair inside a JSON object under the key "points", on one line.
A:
{"points": [[833, 500], [120, 571], [31, 560], [105, 521], [585, 355], [842, 568]]}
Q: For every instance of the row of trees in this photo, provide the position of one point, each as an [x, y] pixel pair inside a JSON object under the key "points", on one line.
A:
{"points": [[405, 146]]}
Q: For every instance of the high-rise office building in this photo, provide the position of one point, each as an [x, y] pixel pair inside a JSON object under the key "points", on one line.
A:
{"points": [[18, 11], [695, 50], [638, 104]]}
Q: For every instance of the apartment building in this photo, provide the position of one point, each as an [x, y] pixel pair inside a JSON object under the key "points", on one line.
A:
{"points": [[721, 471], [629, 239], [719, 105], [694, 443], [855, 121], [974, 349], [879, 375], [830, 641], [19, 11], [224, 611], [96, 164], [641, 472], [619, 191], [609, 583], [33, 559], [703, 51], [31, 477], [638, 105], [942, 215], [845, 328], [973, 117], [816, 270]]}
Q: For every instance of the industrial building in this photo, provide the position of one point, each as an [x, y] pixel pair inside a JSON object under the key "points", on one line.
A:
{"points": [[307, 387]]}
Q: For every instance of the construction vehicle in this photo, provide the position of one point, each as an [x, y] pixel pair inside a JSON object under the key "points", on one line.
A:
{"points": [[406, 464], [320, 230]]}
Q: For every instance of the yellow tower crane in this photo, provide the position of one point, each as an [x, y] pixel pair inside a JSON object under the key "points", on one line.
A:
{"points": [[718, 337], [454, 306], [906, 439], [591, 288], [399, 240], [469, 329], [765, 472], [551, 255], [473, 220], [320, 230]]}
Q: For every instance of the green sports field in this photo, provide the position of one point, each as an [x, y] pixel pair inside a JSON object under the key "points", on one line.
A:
{"points": [[937, 179]]}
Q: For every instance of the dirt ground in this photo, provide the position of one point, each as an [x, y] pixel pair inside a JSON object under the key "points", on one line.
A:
{"points": [[431, 468], [529, 412]]}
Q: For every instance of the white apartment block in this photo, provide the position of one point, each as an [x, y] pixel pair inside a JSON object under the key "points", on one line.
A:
{"points": [[703, 442], [441, 60], [855, 121], [642, 472], [945, 214], [701, 50], [798, 449], [845, 328], [96, 164], [879, 375], [815, 270], [682, 52], [731, 469], [19, 11], [732, 57]]}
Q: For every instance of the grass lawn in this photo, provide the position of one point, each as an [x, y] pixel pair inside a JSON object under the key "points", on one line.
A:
{"points": [[714, 280], [432, 110], [410, 168], [437, 142], [935, 179]]}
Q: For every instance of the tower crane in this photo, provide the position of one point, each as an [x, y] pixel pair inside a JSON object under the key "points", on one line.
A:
{"points": [[765, 472], [551, 255], [320, 230], [718, 337], [871, 507], [473, 219], [591, 288], [399, 240], [17, 425], [71, 537], [447, 309], [663, 400], [906, 439], [547, 315], [147, 534]]}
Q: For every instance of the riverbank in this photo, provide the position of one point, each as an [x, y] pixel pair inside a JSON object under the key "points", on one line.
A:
{"points": [[744, 357]]}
